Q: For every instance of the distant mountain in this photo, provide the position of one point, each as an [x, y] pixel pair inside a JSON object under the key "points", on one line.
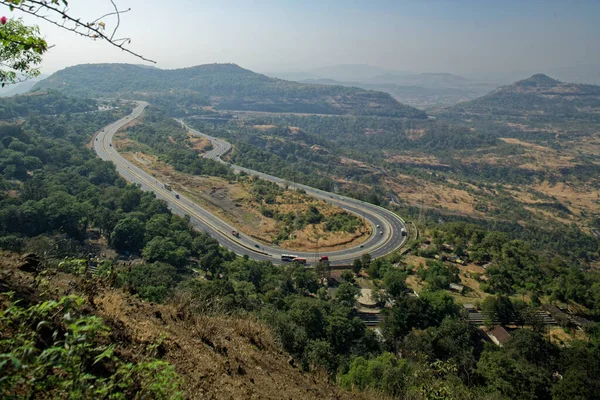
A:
{"points": [[537, 96], [535, 81], [363, 73], [427, 79], [413, 95], [20, 88], [223, 86], [350, 72]]}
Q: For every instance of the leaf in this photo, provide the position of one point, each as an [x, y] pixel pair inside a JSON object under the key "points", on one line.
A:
{"points": [[16, 362]]}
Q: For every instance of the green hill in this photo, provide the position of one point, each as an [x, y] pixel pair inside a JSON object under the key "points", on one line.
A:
{"points": [[225, 87], [538, 97]]}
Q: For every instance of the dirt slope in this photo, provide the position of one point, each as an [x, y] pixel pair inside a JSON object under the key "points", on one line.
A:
{"points": [[219, 357]]}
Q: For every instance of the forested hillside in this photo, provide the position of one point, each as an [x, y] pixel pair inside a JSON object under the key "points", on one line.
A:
{"points": [[224, 86], [538, 97]]}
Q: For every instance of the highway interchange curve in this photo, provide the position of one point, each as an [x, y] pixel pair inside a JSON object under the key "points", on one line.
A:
{"points": [[377, 244]]}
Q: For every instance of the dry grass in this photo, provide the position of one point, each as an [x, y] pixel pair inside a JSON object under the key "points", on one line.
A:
{"points": [[199, 143], [415, 190], [233, 202], [218, 357]]}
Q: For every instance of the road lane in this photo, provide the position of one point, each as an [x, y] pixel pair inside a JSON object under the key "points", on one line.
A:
{"points": [[377, 245]]}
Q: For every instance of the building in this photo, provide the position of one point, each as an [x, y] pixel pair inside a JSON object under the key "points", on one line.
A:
{"points": [[499, 335], [455, 287]]}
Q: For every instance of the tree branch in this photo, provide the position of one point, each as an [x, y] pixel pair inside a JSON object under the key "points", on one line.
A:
{"points": [[93, 30]]}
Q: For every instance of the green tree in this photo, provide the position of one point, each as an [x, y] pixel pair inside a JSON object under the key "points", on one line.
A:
{"points": [[21, 49], [394, 281], [357, 265], [348, 276], [128, 235], [346, 294]]}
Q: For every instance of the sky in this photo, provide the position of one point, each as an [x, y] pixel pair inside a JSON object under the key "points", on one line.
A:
{"points": [[459, 36]]}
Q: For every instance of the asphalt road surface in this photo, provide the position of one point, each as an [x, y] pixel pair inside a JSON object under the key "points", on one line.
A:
{"points": [[386, 225]]}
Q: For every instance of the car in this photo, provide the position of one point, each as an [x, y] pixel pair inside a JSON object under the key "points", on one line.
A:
{"points": [[362, 245], [176, 196], [378, 226], [381, 232], [257, 246], [331, 197]]}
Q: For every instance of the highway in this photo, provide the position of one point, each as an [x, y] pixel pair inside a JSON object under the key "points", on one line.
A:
{"points": [[386, 225]]}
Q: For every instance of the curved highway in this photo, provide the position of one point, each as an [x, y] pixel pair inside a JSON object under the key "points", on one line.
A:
{"points": [[386, 225]]}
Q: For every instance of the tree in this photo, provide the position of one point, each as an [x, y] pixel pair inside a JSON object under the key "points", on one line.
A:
{"points": [[357, 265], [320, 355], [499, 309], [348, 276], [346, 294], [159, 249], [128, 235], [152, 282], [395, 282], [22, 47], [20, 52], [365, 260], [323, 269]]}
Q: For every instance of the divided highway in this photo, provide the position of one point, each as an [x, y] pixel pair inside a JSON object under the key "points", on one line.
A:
{"points": [[386, 225]]}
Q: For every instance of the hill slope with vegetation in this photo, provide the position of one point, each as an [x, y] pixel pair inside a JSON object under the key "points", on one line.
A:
{"points": [[223, 86], [538, 96]]}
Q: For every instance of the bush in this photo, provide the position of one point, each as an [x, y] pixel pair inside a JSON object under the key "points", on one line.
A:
{"points": [[52, 350]]}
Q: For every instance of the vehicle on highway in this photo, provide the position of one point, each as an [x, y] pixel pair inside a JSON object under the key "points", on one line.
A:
{"points": [[257, 246], [110, 144], [176, 196], [300, 260], [288, 257], [403, 231], [324, 258], [96, 139], [235, 233], [167, 186], [381, 232], [362, 245]]}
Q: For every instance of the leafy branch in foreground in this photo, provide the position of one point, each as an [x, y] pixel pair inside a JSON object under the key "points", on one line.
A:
{"points": [[58, 13], [21, 50], [22, 47], [53, 348]]}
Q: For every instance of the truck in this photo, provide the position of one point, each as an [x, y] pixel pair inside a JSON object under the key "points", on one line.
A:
{"points": [[167, 186], [300, 260], [235, 233]]}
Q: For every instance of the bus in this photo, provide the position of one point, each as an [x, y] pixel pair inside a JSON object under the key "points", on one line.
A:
{"points": [[288, 258]]}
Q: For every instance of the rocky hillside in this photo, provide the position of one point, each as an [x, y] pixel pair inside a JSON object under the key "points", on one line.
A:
{"points": [[223, 86]]}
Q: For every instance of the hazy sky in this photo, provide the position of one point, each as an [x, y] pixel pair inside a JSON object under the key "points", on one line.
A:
{"points": [[416, 35]]}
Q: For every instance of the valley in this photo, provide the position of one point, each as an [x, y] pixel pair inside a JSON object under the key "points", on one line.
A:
{"points": [[192, 209]]}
